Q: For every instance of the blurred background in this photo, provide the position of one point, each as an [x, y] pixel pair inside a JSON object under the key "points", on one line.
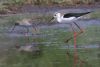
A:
{"points": [[50, 40]]}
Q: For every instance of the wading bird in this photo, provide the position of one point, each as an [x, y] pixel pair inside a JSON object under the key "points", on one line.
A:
{"points": [[31, 48], [69, 18], [26, 23]]}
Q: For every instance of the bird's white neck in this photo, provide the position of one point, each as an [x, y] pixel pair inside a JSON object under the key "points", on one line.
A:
{"points": [[58, 16], [59, 19]]}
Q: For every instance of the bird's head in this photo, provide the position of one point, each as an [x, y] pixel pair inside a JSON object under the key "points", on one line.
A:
{"points": [[56, 17], [57, 14]]}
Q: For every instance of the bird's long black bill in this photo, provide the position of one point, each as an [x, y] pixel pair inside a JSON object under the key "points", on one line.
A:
{"points": [[51, 19]]}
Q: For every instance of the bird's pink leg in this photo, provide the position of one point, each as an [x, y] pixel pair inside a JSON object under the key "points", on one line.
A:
{"points": [[77, 33]]}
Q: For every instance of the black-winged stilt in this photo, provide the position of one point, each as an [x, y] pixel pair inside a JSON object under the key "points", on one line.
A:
{"points": [[25, 23], [69, 18]]}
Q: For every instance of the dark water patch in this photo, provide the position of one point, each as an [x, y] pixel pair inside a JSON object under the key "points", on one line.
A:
{"points": [[49, 30]]}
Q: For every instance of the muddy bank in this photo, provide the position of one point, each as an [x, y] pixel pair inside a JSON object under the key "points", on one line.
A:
{"points": [[43, 9], [47, 9]]}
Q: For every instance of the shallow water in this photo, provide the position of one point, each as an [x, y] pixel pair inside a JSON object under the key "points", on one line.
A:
{"points": [[91, 46], [49, 32], [19, 31]]}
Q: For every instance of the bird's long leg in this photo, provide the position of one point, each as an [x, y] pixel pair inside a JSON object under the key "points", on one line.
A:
{"points": [[67, 52], [76, 58], [72, 30], [78, 26], [74, 37], [81, 30], [78, 33]]}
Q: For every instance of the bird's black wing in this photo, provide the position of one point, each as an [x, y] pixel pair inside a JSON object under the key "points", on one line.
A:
{"points": [[74, 14]]}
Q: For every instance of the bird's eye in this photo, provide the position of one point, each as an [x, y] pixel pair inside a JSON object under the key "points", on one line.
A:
{"points": [[55, 15]]}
